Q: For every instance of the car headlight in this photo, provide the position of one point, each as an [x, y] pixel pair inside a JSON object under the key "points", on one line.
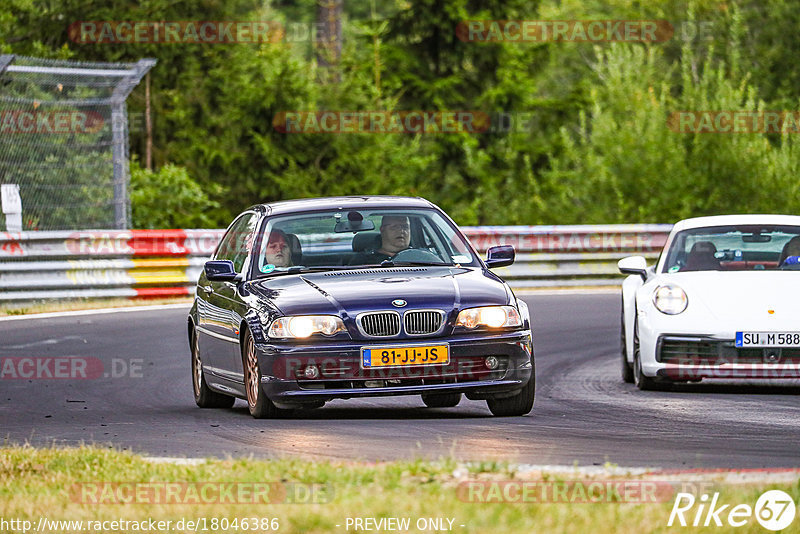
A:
{"points": [[491, 316], [670, 299], [301, 326]]}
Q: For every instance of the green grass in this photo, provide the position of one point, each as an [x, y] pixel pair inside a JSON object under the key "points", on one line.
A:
{"points": [[27, 308], [42, 482]]}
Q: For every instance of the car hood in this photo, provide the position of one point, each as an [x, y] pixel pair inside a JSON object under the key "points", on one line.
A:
{"points": [[744, 299], [354, 291]]}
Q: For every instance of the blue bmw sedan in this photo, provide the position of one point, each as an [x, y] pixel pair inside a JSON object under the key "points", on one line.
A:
{"points": [[306, 301]]}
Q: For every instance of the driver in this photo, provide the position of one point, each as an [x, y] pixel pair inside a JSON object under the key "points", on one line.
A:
{"points": [[395, 236], [790, 255]]}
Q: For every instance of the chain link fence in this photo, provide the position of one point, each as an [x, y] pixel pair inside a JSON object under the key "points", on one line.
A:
{"points": [[64, 143]]}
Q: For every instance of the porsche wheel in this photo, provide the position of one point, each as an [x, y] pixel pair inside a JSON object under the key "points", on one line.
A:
{"points": [[441, 400], [519, 404], [639, 379], [204, 397], [257, 402], [627, 368]]}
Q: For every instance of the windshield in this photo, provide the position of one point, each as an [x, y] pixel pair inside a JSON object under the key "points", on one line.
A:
{"points": [[735, 248], [359, 238]]}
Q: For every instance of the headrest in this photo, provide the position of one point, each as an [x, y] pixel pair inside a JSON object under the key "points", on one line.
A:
{"points": [[297, 250], [703, 247], [701, 257], [363, 241]]}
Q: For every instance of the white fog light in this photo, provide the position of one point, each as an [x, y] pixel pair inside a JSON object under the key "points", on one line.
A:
{"points": [[311, 372], [491, 362]]}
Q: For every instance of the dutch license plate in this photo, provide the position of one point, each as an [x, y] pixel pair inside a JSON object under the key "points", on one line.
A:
{"points": [[404, 355], [768, 339]]}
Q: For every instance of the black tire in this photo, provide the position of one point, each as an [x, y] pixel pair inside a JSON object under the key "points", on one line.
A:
{"points": [[204, 397], [644, 383], [627, 369], [441, 400], [519, 404], [257, 402]]}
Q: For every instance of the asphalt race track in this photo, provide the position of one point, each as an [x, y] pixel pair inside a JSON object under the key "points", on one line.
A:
{"points": [[141, 400]]}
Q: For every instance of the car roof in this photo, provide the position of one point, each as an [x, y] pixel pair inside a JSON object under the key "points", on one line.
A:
{"points": [[349, 202], [725, 220]]}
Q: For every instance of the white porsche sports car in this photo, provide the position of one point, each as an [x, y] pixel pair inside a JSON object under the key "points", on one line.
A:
{"points": [[722, 301]]}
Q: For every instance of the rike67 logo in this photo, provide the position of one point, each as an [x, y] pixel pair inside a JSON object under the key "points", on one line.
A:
{"points": [[774, 510]]}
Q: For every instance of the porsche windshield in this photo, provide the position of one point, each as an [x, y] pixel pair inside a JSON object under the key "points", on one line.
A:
{"points": [[358, 238], [735, 248]]}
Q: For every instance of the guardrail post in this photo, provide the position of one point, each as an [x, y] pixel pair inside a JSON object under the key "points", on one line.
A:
{"points": [[119, 140], [5, 61]]}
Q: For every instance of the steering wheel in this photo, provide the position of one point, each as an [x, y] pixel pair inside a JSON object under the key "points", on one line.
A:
{"points": [[415, 254]]}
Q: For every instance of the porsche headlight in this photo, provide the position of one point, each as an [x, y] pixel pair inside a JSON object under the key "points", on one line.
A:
{"points": [[302, 326], [670, 299], [491, 316]]}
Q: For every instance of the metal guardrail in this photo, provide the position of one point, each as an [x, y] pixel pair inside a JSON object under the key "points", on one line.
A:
{"points": [[563, 256], [166, 263]]}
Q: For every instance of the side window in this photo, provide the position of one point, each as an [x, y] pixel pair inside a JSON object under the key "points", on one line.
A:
{"points": [[432, 241], [236, 244]]}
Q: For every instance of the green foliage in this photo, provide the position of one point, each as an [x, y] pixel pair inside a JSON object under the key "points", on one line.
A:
{"points": [[169, 198], [596, 148], [624, 164]]}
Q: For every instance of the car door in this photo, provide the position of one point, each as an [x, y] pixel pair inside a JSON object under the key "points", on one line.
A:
{"points": [[220, 307], [228, 292]]}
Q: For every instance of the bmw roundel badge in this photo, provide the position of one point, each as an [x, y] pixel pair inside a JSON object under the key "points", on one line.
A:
{"points": [[399, 303]]}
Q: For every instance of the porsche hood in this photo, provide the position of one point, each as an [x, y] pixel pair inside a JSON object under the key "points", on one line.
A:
{"points": [[750, 300]]}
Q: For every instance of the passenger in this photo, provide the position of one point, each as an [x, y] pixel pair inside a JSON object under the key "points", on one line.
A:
{"points": [[277, 252]]}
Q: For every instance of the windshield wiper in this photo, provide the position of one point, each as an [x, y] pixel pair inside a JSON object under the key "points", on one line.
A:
{"points": [[390, 263], [299, 269]]}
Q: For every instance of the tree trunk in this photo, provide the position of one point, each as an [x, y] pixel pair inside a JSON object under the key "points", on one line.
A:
{"points": [[329, 38], [148, 147]]}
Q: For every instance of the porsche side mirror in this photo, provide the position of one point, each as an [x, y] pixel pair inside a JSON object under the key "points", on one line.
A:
{"points": [[500, 256], [220, 271], [633, 265]]}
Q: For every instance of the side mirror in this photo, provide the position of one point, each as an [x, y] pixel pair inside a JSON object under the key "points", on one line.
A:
{"points": [[633, 265], [220, 271], [500, 256]]}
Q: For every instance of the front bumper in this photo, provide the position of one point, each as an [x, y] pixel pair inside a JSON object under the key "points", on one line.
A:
{"points": [[341, 374], [681, 357]]}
